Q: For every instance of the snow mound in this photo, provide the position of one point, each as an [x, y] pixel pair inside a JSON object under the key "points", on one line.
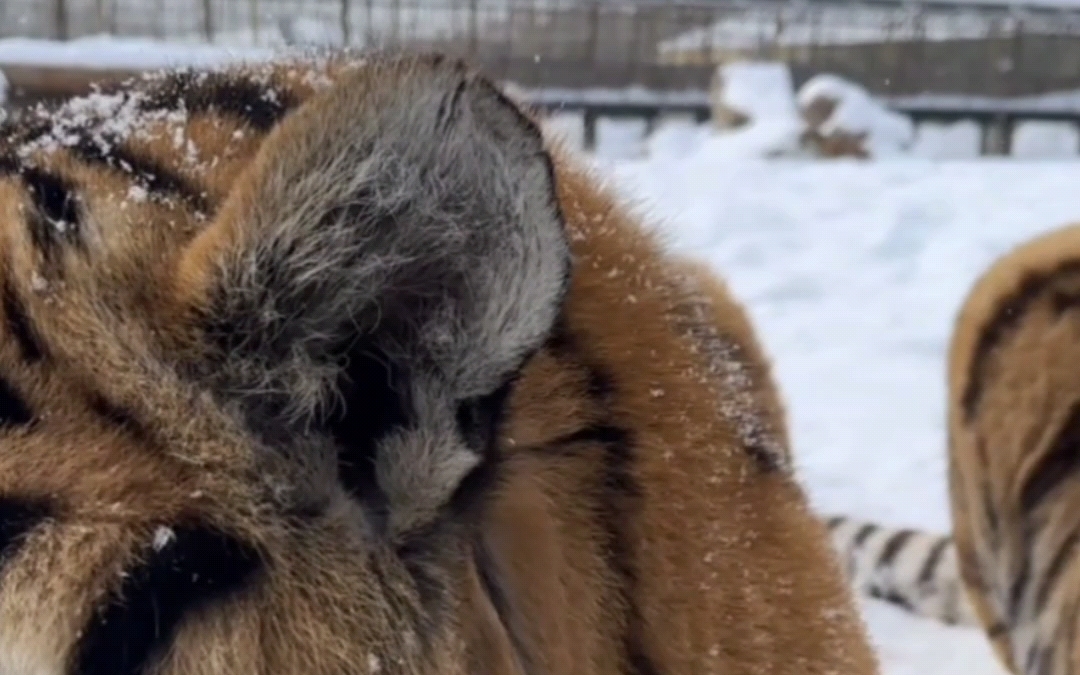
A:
{"points": [[843, 119], [755, 90], [754, 110]]}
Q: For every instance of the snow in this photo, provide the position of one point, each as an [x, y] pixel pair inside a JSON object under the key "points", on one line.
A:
{"points": [[764, 94], [853, 272], [856, 112], [1045, 139], [959, 140], [617, 137], [1057, 102], [635, 95], [758, 89], [107, 52], [674, 136], [801, 25]]}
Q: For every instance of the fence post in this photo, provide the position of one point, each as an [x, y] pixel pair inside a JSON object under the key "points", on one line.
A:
{"points": [[997, 133], [208, 20], [345, 23], [60, 17], [590, 119]]}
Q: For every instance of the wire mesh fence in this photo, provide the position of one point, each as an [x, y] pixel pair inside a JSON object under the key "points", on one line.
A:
{"points": [[667, 44]]}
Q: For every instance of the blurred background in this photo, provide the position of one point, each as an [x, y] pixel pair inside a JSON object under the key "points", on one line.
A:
{"points": [[849, 168], [1002, 70]]}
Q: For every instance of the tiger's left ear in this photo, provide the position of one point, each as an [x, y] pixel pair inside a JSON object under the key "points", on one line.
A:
{"points": [[398, 238]]}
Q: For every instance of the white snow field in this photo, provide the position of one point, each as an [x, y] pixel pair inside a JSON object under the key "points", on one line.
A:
{"points": [[852, 272]]}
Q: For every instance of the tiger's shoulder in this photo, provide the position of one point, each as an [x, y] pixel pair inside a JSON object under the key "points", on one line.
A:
{"points": [[370, 284]]}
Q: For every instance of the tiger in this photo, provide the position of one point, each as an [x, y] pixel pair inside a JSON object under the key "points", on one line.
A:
{"points": [[336, 363], [1009, 566], [912, 569]]}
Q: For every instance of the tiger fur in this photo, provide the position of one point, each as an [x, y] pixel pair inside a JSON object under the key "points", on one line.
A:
{"points": [[1014, 429], [335, 365], [1010, 564], [915, 570]]}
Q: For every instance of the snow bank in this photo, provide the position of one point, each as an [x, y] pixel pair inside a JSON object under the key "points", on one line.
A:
{"points": [[108, 52], [959, 140], [829, 117], [754, 110], [756, 89], [1045, 140], [838, 109]]}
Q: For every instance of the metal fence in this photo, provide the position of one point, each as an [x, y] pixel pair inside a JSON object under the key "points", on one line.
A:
{"points": [[889, 47]]}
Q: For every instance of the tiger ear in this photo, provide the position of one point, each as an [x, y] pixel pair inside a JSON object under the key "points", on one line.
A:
{"points": [[396, 247]]}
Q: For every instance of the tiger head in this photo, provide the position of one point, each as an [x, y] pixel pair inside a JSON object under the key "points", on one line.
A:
{"points": [[249, 408]]}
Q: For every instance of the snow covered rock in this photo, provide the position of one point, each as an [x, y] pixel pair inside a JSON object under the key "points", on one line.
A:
{"points": [[843, 120]]}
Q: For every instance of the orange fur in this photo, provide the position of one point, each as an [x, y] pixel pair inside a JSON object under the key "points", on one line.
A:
{"points": [[645, 518], [1013, 392]]}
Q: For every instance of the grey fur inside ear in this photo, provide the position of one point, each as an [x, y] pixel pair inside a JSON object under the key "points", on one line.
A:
{"points": [[412, 208]]}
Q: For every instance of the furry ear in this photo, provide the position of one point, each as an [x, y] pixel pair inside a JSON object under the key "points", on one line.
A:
{"points": [[381, 270]]}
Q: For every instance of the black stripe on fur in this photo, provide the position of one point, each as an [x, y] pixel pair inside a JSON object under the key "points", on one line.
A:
{"points": [[1062, 558], [260, 105], [158, 180], [619, 495], [120, 417], [1007, 316], [863, 534], [19, 325], [55, 220], [1058, 464], [14, 411], [926, 574], [17, 518], [893, 546], [191, 569]]}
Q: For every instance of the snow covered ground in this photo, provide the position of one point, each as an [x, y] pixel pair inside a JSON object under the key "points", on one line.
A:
{"points": [[853, 272]]}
